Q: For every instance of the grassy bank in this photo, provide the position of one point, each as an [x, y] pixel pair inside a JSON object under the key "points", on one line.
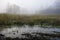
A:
{"points": [[14, 19]]}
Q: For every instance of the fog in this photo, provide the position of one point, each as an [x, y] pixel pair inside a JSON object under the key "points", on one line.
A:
{"points": [[32, 6], [55, 9]]}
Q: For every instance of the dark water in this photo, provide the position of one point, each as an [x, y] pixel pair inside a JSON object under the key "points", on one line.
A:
{"points": [[31, 33]]}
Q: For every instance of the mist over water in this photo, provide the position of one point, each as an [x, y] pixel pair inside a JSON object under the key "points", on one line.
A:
{"points": [[32, 25]]}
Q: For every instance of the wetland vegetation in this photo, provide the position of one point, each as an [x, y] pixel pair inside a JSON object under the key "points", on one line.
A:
{"points": [[42, 20]]}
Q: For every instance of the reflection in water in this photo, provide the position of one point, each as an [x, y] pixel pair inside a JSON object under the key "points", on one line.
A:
{"points": [[28, 32]]}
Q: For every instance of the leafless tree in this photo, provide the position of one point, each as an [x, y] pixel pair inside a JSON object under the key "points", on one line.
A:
{"points": [[13, 9]]}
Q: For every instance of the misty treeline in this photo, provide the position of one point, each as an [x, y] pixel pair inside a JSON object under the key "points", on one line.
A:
{"points": [[14, 19]]}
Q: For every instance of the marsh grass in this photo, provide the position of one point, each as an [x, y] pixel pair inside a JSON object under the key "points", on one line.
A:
{"points": [[42, 20]]}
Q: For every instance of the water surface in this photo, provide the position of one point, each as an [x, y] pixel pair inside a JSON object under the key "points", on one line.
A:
{"points": [[16, 31]]}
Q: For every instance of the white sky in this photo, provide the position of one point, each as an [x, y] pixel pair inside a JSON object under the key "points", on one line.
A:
{"points": [[27, 4]]}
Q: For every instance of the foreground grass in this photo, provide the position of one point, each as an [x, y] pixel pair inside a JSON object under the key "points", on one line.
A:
{"points": [[43, 20]]}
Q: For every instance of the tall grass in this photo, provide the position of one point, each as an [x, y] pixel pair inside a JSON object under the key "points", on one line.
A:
{"points": [[14, 19]]}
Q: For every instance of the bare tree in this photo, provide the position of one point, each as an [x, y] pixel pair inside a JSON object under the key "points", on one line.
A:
{"points": [[13, 9]]}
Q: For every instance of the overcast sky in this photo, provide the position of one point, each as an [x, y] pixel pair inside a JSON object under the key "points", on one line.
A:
{"points": [[31, 5]]}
